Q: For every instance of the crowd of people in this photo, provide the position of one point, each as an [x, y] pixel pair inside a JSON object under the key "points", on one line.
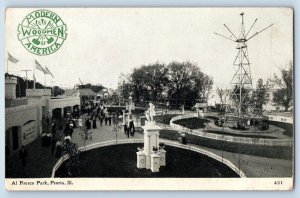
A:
{"points": [[107, 118], [61, 131]]}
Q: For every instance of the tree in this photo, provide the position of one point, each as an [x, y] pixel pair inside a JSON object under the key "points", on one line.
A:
{"points": [[186, 81], [260, 95], [155, 78], [179, 79], [183, 81], [57, 91], [95, 88], [223, 95], [284, 95], [242, 96], [148, 81]]}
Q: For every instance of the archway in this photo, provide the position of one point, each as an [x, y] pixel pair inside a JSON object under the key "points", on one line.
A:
{"points": [[56, 113]]}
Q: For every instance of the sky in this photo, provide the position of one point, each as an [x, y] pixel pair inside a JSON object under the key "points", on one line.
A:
{"points": [[102, 43]]}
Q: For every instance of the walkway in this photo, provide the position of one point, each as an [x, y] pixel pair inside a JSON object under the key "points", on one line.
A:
{"points": [[102, 134]]}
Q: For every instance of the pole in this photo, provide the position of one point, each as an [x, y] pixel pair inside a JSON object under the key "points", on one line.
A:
{"points": [[7, 66], [34, 76], [19, 87], [44, 81], [26, 80], [52, 88]]}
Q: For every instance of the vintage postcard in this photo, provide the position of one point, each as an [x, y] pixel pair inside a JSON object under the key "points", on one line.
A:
{"points": [[149, 99]]}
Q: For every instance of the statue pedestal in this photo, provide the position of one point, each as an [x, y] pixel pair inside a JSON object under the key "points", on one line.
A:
{"points": [[151, 137], [147, 158]]}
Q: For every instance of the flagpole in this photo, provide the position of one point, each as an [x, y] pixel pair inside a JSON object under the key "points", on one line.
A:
{"points": [[44, 81], [18, 82], [7, 67], [26, 70], [34, 76]]}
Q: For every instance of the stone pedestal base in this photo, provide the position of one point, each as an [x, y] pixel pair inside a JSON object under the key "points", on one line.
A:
{"points": [[148, 161], [141, 159], [155, 162], [162, 157]]}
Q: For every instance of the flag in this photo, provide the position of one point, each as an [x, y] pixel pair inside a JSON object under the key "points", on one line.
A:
{"points": [[80, 81], [12, 59], [47, 71], [39, 67]]}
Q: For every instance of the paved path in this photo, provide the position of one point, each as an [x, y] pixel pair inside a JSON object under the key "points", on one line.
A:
{"points": [[101, 134]]}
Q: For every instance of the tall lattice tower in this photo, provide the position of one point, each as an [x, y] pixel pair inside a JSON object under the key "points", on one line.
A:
{"points": [[240, 105]]}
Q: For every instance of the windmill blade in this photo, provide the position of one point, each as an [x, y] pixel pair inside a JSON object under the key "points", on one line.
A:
{"points": [[230, 32], [251, 28], [224, 36], [255, 34]]}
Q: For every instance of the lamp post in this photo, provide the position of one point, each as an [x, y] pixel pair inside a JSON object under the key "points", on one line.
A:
{"points": [[129, 106]]}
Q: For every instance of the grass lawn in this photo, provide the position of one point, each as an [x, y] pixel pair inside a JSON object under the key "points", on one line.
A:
{"points": [[280, 152], [164, 119], [289, 128], [192, 123], [120, 161]]}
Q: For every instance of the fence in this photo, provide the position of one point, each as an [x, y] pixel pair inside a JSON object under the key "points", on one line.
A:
{"points": [[167, 142]]}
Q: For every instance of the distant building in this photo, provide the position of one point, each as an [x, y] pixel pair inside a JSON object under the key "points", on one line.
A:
{"points": [[87, 96], [103, 94], [272, 106]]}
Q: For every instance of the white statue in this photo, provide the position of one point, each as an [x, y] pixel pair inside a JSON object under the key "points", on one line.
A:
{"points": [[150, 112]]}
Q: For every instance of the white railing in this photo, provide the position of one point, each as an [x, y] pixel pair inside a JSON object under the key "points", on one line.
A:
{"points": [[278, 118], [38, 92], [167, 142], [18, 108]]}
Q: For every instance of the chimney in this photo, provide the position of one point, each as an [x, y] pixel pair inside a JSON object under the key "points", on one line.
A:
{"points": [[10, 87]]}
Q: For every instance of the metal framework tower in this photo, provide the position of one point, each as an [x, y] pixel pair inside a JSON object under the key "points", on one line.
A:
{"points": [[242, 81]]}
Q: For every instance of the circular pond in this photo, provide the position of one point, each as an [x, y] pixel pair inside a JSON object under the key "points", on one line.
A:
{"points": [[120, 161]]}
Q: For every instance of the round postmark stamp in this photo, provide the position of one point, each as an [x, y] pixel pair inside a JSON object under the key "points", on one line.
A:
{"points": [[42, 32]]}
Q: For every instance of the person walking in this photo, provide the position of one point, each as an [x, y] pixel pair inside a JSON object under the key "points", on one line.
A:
{"points": [[87, 123], [125, 129], [94, 123], [105, 119], [109, 119], [131, 127], [101, 119], [23, 155], [128, 132]]}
